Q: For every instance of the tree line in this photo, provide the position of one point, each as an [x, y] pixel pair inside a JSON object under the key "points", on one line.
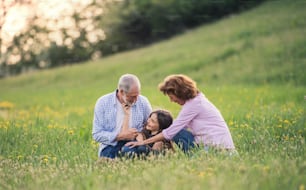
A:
{"points": [[101, 28]]}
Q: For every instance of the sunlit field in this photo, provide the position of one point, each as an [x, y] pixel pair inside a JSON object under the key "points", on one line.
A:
{"points": [[46, 117]]}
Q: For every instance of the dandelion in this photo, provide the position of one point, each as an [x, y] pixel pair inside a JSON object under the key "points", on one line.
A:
{"points": [[45, 160], [248, 116], [286, 121], [70, 132], [94, 144], [302, 187], [6, 105], [51, 126], [266, 169], [201, 174], [19, 157]]}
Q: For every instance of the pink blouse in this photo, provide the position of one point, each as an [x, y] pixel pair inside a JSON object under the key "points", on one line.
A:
{"points": [[204, 121]]}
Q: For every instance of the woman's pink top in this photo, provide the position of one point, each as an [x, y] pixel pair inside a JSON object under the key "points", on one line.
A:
{"points": [[204, 121]]}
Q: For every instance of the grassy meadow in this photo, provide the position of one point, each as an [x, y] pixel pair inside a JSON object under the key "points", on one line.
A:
{"points": [[251, 66]]}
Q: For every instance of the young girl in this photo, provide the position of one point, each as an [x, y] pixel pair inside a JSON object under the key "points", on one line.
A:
{"points": [[157, 121]]}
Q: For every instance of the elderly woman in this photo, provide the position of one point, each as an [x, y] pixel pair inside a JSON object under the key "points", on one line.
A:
{"points": [[199, 122]]}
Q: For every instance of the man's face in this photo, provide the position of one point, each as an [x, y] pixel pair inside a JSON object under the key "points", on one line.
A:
{"points": [[130, 97]]}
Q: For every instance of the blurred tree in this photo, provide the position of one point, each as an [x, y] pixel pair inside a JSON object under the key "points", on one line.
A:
{"points": [[68, 37], [67, 32], [134, 23], [5, 7]]}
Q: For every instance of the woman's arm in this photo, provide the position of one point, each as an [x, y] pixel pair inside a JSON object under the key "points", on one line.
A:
{"points": [[156, 138]]}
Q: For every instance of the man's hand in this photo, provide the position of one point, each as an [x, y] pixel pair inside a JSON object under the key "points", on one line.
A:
{"points": [[129, 134]]}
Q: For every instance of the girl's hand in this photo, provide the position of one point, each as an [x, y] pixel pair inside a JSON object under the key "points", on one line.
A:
{"points": [[134, 143], [126, 109]]}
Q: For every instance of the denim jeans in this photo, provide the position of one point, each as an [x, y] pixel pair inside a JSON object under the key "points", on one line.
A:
{"points": [[135, 151], [185, 140], [112, 151]]}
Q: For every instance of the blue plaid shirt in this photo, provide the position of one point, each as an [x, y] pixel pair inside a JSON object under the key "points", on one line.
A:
{"points": [[104, 122]]}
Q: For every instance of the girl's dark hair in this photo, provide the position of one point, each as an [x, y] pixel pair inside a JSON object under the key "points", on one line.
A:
{"points": [[164, 119]]}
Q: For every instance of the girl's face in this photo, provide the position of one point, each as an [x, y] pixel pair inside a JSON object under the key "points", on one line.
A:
{"points": [[152, 123]]}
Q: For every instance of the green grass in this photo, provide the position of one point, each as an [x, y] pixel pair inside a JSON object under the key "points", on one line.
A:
{"points": [[251, 66]]}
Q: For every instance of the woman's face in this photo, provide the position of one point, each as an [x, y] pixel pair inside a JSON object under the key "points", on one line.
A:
{"points": [[175, 99], [152, 123]]}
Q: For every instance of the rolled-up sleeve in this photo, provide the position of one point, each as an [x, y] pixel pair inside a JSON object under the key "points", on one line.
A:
{"points": [[100, 135], [104, 130]]}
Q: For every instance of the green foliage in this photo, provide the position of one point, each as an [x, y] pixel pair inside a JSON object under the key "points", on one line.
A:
{"points": [[134, 23], [243, 66]]}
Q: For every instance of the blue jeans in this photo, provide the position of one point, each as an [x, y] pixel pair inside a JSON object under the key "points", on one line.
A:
{"points": [[185, 140], [112, 151], [135, 151]]}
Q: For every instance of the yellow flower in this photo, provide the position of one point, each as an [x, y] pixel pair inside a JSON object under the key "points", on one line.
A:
{"points": [[286, 121], [201, 174], [266, 168], [70, 132], [19, 157], [45, 160], [6, 105], [50, 126], [301, 187], [248, 116]]}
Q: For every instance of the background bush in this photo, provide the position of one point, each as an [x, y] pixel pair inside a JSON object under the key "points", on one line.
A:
{"points": [[133, 23]]}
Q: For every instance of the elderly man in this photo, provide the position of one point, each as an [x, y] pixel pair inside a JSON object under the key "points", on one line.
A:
{"points": [[113, 109]]}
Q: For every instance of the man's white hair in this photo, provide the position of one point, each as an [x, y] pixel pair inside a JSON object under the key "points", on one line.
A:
{"points": [[127, 81]]}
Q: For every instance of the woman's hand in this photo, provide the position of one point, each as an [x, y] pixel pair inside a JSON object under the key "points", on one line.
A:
{"points": [[135, 143]]}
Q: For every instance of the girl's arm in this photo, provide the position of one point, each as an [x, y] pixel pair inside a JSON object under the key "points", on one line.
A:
{"points": [[139, 137], [126, 119]]}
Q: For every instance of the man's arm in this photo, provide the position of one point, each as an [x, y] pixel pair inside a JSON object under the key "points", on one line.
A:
{"points": [[129, 134], [99, 133]]}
